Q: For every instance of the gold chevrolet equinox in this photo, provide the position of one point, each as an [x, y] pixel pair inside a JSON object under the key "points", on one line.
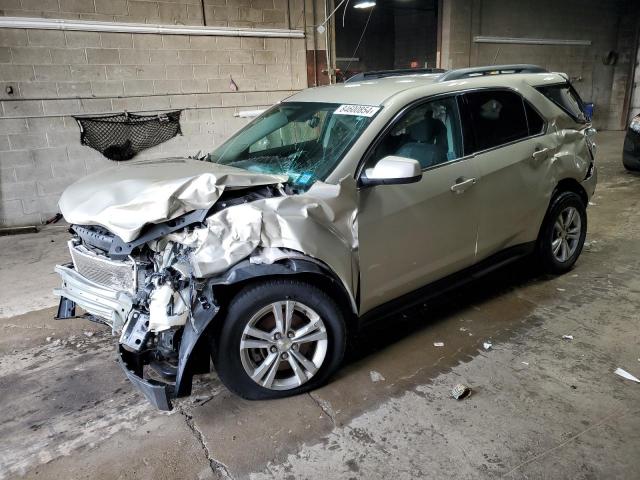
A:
{"points": [[334, 206]]}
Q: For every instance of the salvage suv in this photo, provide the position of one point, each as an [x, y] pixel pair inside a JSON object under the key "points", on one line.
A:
{"points": [[340, 204]]}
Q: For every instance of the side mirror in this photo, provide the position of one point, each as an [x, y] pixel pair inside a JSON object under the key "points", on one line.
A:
{"points": [[392, 170]]}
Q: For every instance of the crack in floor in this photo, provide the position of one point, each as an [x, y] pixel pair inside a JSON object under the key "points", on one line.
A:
{"points": [[326, 408], [618, 413], [27, 327], [217, 467]]}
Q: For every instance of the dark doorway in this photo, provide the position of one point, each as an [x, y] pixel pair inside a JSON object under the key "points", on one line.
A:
{"points": [[393, 34]]}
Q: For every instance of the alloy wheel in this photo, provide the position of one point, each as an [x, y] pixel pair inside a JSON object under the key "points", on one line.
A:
{"points": [[283, 345], [566, 234]]}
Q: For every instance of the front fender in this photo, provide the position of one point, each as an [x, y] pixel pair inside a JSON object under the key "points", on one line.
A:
{"points": [[296, 264]]}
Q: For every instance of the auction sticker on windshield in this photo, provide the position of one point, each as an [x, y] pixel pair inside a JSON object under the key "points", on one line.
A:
{"points": [[359, 110]]}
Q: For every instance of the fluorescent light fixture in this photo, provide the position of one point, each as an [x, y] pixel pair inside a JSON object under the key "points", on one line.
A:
{"points": [[364, 4]]}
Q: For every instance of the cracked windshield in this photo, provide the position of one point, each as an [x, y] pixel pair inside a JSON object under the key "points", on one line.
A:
{"points": [[302, 140]]}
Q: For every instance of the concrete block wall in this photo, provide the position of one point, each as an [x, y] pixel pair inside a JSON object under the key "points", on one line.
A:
{"points": [[608, 24], [56, 74], [173, 12], [249, 13], [228, 13], [624, 83], [455, 50]]}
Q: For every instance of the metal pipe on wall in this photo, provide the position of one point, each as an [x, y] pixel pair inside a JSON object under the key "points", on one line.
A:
{"points": [[122, 27], [315, 38], [326, 41]]}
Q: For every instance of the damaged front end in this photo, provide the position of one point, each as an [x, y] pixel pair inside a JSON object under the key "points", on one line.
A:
{"points": [[157, 284], [151, 300]]}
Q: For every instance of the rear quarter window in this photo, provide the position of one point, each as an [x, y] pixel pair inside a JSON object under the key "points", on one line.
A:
{"points": [[565, 97], [534, 120]]}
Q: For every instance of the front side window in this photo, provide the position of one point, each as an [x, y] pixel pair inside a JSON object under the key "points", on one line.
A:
{"points": [[428, 133], [303, 140], [565, 97], [495, 118]]}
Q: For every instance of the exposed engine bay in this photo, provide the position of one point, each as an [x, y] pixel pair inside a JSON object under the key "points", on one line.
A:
{"points": [[157, 291], [155, 299]]}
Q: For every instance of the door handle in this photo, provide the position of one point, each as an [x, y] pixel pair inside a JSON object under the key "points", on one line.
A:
{"points": [[540, 153], [461, 185]]}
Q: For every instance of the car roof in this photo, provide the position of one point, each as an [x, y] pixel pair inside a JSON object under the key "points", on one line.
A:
{"points": [[377, 91]]}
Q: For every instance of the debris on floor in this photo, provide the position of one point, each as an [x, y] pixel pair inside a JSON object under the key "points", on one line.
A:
{"points": [[487, 345], [376, 376], [460, 391], [55, 219], [438, 344], [567, 337], [591, 246], [463, 329], [88, 334], [525, 363], [627, 375], [561, 289]]}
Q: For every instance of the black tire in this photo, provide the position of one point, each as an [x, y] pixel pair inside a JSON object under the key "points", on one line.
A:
{"points": [[252, 298], [560, 203]]}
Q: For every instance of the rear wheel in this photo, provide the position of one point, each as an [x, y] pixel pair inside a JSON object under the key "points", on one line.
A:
{"points": [[280, 338], [563, 233]]}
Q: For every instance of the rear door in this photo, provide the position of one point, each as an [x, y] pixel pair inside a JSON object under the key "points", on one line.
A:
{"points": [[506, 136]]}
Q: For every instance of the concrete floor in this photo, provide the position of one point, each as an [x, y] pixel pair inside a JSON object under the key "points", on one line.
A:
{"points": [[542, 407]]}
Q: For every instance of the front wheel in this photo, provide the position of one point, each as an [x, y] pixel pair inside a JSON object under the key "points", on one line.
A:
{"points": [[280, 338], [563, 233]]}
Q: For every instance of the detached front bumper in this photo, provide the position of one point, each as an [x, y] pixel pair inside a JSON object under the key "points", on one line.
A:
{"points": [[158, 393], [116, 308], [110, 305]]}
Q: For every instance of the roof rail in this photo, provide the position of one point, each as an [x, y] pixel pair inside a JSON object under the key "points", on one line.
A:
{"points": [[490, 70], [358, 77]]}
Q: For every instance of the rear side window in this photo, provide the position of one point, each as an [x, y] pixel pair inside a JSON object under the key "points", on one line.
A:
{"points": [[534, 120], [565, 97], [495, 117]]}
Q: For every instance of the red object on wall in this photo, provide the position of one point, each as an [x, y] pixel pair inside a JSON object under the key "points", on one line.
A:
{"points": [[317, 68]]}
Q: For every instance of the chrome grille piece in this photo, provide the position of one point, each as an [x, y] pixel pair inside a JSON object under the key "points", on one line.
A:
{"points": [[103, 271]]}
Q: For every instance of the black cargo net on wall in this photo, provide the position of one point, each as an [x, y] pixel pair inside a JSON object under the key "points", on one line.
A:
{"points": [[123, 135]]}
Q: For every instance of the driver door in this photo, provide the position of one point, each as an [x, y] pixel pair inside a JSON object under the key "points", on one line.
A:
{"points": [[413, 234]]}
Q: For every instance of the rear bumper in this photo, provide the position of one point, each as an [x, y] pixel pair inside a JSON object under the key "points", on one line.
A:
{"points": [[111, 305], [590, 182]]}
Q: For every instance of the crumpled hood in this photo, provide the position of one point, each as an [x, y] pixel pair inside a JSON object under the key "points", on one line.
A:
{"points": [[130, 195]]}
